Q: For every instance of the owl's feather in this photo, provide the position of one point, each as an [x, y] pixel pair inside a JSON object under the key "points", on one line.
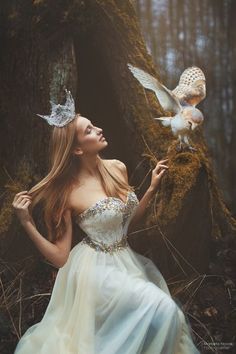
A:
{"points": [[166, 98], [166, 121]]}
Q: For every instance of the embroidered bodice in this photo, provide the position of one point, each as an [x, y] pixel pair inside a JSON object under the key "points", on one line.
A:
{"points": [[107, 220]]}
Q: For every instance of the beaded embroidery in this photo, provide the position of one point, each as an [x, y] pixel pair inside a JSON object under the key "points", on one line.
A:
{"points": [[103, 247], [114, 204], [100, 206], [106, 203], [131, 202]]}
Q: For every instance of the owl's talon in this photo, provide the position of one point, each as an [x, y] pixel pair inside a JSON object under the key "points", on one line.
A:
{"points": [[179, 148], [185, 147], [191, 148]]}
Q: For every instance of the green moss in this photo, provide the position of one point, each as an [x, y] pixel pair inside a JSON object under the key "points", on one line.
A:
{"points": [[20, 182]]}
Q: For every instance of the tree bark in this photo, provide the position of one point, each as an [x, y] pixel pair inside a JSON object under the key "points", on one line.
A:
{"points": [[85, 46]]}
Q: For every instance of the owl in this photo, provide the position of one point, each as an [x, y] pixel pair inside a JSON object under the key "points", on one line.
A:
{"points": [[181, 101]]}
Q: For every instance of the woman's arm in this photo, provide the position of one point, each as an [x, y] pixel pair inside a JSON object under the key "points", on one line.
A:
{"points": [[141, 209], [56, 253], [157, 173]]}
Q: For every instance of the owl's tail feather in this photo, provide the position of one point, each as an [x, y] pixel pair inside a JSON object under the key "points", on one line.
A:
{"points": [[165, 121]]}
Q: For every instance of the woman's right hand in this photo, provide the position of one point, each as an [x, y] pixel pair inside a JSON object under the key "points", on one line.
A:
{"points": [[21, 202], [157, 174]]}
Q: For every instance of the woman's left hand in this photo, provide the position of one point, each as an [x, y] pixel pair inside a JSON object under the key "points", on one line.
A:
{"points": [[157, 174]]}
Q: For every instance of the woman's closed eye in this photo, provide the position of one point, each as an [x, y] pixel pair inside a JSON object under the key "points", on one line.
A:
{"points": [[88, 130]]}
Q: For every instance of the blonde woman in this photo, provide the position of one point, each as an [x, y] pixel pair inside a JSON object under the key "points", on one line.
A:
{"points": [[107, 299]]}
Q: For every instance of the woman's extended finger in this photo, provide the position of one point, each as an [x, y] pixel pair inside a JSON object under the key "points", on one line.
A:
{"points": [[161, 172], [26, 203], [23, 202], [22, 197], [20, 200], [27, 199], [19, 194], [161, 161], [160, 165]]}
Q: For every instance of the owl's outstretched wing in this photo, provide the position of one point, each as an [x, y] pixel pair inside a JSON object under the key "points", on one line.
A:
{"points": [[166, 121], [166, 98]]}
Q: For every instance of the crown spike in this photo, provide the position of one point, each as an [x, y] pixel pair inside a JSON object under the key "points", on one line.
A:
{"points": [[61, 114]]}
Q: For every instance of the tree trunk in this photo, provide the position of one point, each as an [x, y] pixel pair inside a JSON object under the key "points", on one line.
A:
{"points": [[85, 46]]}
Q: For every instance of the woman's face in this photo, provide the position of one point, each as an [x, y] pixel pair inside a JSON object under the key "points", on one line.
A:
{"points": [[90, 137]]}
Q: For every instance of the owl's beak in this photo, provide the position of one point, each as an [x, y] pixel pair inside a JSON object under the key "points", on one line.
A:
{"points": [[193, 125]]}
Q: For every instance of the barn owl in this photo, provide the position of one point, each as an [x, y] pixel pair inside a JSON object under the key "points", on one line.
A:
{"points": [[181, 101]]}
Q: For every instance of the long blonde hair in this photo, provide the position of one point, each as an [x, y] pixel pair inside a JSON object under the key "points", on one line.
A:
{"points": [[54, 189]]}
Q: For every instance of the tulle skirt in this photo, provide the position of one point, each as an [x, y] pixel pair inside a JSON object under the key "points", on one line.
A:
{"points": [[105, 303]]}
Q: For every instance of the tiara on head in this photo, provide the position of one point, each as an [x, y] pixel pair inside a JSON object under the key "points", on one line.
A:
{"points": [[61, 114]]}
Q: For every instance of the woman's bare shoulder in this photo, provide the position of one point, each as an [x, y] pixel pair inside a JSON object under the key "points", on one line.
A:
{"points": [[121, 167], [119, 164], [76, 194], [77, 199]]}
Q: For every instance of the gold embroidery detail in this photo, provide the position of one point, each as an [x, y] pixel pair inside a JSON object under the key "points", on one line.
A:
{"points": [[103, 204], [112, 203], [103, 247]]}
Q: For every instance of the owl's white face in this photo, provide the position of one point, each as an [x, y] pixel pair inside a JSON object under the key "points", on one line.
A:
{"points": [[201, 86], [193, 116]]}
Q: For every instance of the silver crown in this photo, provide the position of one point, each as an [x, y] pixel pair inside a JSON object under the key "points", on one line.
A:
{"points": [[61, 114]]}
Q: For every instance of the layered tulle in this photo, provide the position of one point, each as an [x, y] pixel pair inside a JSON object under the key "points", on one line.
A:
{"points": [[109, 304]]}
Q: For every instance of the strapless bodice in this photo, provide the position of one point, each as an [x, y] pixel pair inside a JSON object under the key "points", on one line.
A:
{"points": [[108, 219]]}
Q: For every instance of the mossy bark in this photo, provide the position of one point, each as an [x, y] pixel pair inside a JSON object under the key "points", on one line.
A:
{"points": [[85, 46]]}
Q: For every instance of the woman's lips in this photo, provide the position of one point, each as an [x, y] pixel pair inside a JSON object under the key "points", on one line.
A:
{"points": [[102, 137]]}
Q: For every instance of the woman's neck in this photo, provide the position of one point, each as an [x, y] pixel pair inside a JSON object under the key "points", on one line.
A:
{"points": [[89, 166]]}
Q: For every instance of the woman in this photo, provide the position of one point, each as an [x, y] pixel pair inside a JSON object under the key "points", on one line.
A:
{"points": [[107, 299]]}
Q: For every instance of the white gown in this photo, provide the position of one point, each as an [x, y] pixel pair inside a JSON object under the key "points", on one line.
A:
{"points": [[109, 300]]}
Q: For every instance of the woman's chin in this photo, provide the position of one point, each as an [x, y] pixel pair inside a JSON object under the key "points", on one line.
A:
{"points": [[103, 144], [103, 141]]}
